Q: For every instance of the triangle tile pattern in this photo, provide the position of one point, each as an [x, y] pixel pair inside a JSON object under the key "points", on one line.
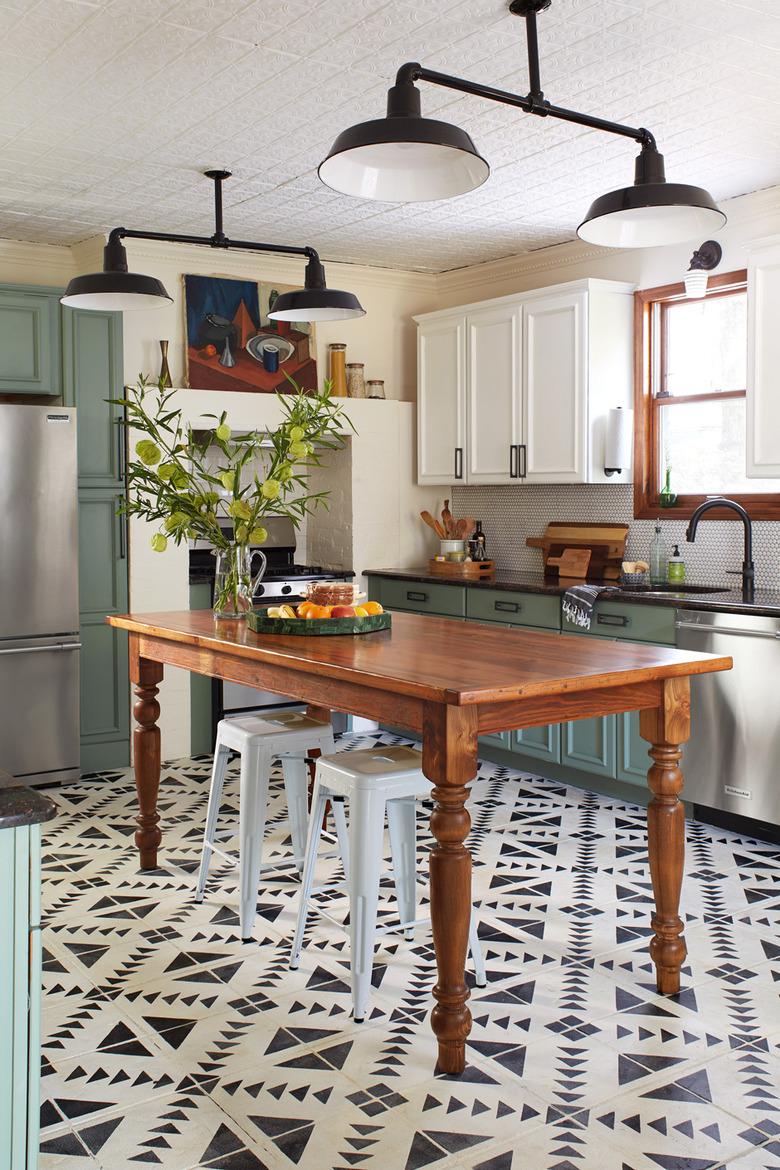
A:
{"points": [[170, 1042]]}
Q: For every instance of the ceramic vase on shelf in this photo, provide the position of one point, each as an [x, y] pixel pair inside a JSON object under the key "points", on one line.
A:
{"points": [[165, 373], [375, 388], [356, 380], [337, 369], [234, 585]]}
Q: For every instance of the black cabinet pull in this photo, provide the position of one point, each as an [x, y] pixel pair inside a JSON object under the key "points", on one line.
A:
{"points": [[122, 535], [611, 619], [524, 462], [507, 606], [412, 596], [513, 461], [459, 463], [120, 448]]}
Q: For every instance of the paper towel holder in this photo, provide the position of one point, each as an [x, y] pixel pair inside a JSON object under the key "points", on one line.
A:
{"points": [[618, 439]]}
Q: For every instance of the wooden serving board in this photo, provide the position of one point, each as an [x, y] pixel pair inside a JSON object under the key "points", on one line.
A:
{"points": [[317, 626], [606, 542], [462, 570]]}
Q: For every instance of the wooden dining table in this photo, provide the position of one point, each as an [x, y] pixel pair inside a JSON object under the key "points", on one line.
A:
{"points": [[447, 686]]}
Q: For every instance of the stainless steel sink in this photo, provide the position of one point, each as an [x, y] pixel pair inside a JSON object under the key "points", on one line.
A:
{"points": [[672, 588]]}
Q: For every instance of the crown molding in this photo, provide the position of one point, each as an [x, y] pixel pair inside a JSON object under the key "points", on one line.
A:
{"points": [[54, 258]]}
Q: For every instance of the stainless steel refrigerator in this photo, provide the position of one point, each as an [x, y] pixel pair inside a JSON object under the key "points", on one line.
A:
{"points": [[39, 606]]}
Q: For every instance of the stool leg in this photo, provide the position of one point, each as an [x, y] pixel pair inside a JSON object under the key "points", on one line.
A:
{"points": [[318, 802], [402, 822], [221, 754], [342, 833], [475, 949], [255, 769], [296, 786], [366, 829]]}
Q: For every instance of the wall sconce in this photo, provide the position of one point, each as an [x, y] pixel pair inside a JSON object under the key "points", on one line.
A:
{"points": [[703, 260]]}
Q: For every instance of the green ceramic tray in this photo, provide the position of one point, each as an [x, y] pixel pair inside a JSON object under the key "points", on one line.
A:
{"points": [[367, 625]]}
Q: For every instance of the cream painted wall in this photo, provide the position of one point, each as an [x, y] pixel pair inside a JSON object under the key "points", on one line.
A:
{"points": [[44, 264]]}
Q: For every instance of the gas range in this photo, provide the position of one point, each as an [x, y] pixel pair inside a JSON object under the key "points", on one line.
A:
{"points": [[288, 582]]}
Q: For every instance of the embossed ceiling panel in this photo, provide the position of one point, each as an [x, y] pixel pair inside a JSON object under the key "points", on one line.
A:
{"points": [[110, 108]]}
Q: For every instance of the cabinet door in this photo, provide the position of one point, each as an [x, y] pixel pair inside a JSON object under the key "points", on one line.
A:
{"points": [[763, 401], [589, 744], [92, 361], [29, 341], [105, 700], [441, 401], [542, 743], [633, 761], [494, 395], [554, 389]]}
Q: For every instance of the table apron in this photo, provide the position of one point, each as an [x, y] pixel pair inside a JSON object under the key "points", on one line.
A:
{"points": [[329, 693], [538, 710]]}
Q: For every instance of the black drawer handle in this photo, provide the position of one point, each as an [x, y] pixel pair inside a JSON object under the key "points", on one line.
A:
{"points": [[412, 596], [507, 606], [514, 459], [611, 619], [459, 463]]}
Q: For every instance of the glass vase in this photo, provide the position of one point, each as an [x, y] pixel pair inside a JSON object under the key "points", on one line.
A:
{"points": [[234, 584], [667, 498]]}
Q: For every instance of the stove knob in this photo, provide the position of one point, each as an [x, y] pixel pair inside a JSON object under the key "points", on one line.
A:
{"points": [[260, 591], [286, 588]]}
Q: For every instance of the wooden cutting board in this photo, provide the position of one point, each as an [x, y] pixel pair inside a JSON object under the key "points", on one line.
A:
{"points": [[606, 542]]}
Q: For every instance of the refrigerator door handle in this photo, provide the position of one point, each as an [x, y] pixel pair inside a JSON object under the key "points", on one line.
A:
{"points": [[42, 649]]}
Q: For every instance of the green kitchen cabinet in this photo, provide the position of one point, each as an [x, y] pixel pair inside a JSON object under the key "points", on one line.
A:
{"points": [[103, 590], [92, 364], [201, 687], [92, 373], [589, 745], [20, 974], [632, 758], [30, 340], [540, 743]]}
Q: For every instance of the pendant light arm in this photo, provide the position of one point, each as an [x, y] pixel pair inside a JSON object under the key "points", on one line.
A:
{"points": [[218, 240], [532, 103]]}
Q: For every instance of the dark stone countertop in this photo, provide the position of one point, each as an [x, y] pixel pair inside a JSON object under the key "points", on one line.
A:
{"points": [[727, 600], [20, 805]]}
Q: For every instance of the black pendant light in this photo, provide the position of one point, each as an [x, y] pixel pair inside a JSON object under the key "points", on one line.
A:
{"points": [[652, 212], [316, 302], [405, 157], [117, 289]]}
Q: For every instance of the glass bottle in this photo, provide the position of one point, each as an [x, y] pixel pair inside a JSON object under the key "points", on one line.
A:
{"points": [[356, 380], [667, 498], [375, 388], [337, 359], [477, 543], [657, 557]]}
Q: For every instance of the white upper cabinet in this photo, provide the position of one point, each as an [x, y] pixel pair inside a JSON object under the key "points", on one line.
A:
{"points": [[441, 407], [763, 370], [555, 363], [494, 401], [518, 390]]}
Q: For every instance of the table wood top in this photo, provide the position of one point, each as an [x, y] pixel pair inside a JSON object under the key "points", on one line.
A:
{"points": [[436, 659]]}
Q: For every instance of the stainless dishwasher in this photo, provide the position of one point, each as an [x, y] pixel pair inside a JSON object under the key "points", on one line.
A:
{"points": [[732, 762]]}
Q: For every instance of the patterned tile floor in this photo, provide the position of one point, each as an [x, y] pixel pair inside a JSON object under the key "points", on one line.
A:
{"points": [[168, 1042]]}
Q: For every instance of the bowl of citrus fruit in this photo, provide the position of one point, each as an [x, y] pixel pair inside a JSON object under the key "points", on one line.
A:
{"points": [[345, 613]]}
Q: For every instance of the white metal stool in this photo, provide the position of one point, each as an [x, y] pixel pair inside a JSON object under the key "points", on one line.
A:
{"points": [[373, 780], [259, 740]]}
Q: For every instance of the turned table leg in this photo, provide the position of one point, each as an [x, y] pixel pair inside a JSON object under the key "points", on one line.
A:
{"points": [[450, 762], [667, 727], [145, 675]]}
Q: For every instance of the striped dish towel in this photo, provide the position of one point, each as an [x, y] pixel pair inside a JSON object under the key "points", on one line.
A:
{"points": [[580, 601]]}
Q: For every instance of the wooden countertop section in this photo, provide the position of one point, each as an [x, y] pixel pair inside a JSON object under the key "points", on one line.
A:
{"points": [[437, 659]]}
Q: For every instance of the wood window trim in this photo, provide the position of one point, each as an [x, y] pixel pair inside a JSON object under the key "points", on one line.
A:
{"points": [[761, 506]]}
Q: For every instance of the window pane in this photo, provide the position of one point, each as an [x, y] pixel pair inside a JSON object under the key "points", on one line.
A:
{"points": [[706, 345], [704, 444]]}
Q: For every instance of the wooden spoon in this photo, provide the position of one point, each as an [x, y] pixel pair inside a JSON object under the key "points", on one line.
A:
{"points": [[449, 523], [433, 523], [464, 528]]}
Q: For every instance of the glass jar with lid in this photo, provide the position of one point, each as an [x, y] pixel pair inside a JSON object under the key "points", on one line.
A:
{"points": [[337, 358], [356, 380], [375, 388]]}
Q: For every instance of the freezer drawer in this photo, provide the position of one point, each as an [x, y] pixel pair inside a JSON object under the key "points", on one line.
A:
{"points": [[39, 709]]}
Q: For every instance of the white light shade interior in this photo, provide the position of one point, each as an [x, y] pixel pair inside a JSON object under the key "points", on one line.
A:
{"points": [[335, 313], [651, 227], [696, 283], [619, 440], [404, 172], [114, 302]]}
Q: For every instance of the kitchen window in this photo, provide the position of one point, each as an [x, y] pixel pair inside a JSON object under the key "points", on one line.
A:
{"points": [[691, 369]]}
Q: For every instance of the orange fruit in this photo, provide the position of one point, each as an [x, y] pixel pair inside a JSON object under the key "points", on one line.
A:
{"points": [[304, 608], [372, 608], [315, 612]]}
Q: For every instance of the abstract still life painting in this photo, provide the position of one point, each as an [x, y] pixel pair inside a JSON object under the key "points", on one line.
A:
{"points": [[233, 345]]}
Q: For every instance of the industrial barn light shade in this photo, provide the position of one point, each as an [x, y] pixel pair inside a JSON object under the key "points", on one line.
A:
{"points": [[404, 157], [117, 289]]}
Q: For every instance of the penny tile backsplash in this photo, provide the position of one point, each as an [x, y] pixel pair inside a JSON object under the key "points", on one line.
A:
{"points": [[510, 514]]}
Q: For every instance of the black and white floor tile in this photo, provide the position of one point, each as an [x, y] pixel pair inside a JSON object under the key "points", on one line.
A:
{"points": [[169, 1042]]}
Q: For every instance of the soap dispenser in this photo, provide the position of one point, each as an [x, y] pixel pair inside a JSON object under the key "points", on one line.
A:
{"points": [[658, 563], [676, 566]]}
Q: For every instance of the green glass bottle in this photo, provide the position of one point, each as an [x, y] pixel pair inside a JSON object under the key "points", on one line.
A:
{"points": [[667, 498]]}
